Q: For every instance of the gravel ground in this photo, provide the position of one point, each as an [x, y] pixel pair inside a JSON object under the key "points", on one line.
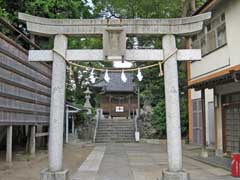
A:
{"points": [[25, 167]]}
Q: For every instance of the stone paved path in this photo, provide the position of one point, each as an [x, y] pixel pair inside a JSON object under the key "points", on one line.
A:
{"points": [[139, 162]]}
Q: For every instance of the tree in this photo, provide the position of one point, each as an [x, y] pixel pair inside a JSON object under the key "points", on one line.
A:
{"points": [[47, 8], [152, 86]]}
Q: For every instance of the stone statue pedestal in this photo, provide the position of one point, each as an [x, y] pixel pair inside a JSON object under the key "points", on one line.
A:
{"points": [[181, 175], [45, 174]]}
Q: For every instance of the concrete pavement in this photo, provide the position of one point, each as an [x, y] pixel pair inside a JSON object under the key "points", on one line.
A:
{"points": [[139, 162]]}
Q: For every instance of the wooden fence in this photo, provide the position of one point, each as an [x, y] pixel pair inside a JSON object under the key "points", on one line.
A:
{"points": [[25, 87]]}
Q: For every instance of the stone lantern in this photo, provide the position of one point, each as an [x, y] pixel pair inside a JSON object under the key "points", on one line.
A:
{"points": [[87, 104]]}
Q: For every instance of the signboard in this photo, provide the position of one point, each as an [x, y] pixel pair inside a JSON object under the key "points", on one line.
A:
{"points": [[119, 109]]}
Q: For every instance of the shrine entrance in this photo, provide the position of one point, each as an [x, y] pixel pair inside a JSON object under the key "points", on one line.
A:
{"points": [[114, 32]]}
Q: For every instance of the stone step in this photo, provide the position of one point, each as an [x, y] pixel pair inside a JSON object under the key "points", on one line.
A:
{"points": [[114, 140], [117, 133], [115, 136], [115, 124], [115, 127], [115, 130], [116, 121]]}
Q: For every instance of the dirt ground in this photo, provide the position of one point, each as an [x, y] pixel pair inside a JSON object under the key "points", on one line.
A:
{"points": [[25, 167]]}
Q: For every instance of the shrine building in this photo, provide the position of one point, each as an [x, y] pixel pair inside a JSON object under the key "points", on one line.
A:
{"points": [[117, 98]]}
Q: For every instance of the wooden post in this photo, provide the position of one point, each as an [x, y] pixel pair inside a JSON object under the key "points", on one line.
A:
{"points": [[204, 144], [66, 125], [73, 128], [129, 107], [138, 101], [32, 142], [9, 144], [110, 106]]}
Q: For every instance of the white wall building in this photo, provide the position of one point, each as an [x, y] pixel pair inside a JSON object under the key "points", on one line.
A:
{"points": [[217, 77]]}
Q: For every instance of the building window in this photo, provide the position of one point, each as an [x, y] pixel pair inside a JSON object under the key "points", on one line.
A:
{"points": [[211, 41], [231, 123], [209, 27], [221, 35], [203, 45], [223, 17], [213, 37]]}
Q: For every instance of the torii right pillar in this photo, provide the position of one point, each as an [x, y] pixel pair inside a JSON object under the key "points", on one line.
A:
{"points": [[174, 145]]}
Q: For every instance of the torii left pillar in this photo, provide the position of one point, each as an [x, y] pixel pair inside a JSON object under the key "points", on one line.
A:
{"points": [[55, 169]]}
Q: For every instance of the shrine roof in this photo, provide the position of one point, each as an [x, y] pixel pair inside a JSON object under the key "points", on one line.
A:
{"points": [[209, 4], [116, 84]]}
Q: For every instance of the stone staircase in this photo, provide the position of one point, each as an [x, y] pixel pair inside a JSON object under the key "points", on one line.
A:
{"points": [[115, 130]]}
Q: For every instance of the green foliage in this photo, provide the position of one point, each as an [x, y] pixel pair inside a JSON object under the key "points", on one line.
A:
{"points": [[46, 8], [184, 115], [84, 43], [138, 8], [159, 118], [58, 8], [3, 13]]}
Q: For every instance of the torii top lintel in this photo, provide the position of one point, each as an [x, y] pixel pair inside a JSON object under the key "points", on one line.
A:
{"points": [[177, 26]]}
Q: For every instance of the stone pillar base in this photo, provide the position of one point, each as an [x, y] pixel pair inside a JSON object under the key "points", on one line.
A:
{"points": [[182, 175], [58, 175]]}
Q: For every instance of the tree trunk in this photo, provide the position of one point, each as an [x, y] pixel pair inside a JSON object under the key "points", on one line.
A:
{"points": [[189, 6]]}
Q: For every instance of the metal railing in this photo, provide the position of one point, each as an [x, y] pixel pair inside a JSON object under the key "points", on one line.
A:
{"points": [[96, 125]]}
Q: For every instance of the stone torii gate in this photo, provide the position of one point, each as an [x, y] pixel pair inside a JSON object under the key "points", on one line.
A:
{"points": [[114, 33]]}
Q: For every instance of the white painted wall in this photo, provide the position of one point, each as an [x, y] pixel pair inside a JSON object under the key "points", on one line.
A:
{"points": [[225, 56], [213, 62], [195, 94], [233, 30]]}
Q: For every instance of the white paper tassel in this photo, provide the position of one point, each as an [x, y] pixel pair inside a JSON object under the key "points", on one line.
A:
{"points": [[139, 75], [106, 77], [92, 78], [123, 77]]}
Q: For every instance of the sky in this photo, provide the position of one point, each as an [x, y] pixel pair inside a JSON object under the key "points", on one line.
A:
{"points": [[119, 64]]}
